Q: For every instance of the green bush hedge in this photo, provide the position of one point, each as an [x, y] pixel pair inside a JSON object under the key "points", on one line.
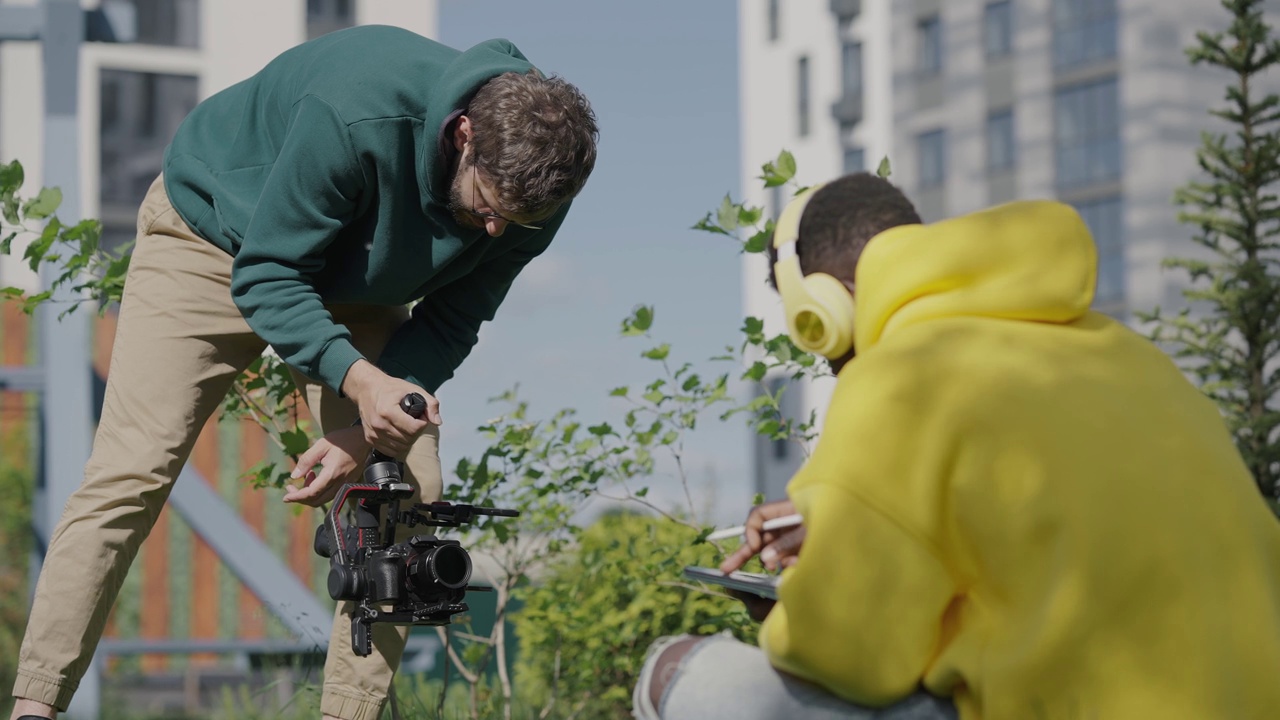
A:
{"points": [[586, 625]]}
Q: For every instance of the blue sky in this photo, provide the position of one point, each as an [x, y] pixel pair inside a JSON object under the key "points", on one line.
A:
{"points": [[662, 77]]}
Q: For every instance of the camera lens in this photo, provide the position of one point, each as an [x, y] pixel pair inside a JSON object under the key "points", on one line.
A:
{"points": [[443, 566]]}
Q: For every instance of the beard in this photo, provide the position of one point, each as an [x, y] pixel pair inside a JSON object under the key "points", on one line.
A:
{"points": [[461, 213]]}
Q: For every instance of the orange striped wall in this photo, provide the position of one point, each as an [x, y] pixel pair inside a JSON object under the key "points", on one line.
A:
{"points": [[159, 569], [17, 416]]}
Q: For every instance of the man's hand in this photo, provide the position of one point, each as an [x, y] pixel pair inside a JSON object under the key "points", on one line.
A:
{"points": [[340, 452], [386, 427], [777, 548]]}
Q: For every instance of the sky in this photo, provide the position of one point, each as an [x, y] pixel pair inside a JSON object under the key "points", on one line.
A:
{"points": [[662, 78]]}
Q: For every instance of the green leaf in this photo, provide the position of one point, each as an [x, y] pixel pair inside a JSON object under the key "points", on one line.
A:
{"points": [[786, 164], [654, 396], [295, 442], [6, 245], [619, 392], [9, 208], [748, 216], [600, 430], [640, 321], [883, 170], [758, 242], [768, 428], [43, 205], [780, 171], [642, 492], [11, 177], [756, 372], [757, 499], [34, 301], [706, 225], [658, 353], [727, 215]]}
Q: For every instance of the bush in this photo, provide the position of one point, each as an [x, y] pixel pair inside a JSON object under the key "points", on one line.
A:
{"points": [[15, 538], [585, 627]]}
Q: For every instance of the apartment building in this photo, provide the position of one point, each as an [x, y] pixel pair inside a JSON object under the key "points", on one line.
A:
{"points": [[978, 102]]}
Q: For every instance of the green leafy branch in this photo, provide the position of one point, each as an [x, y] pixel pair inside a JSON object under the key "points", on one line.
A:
{"points": [[80, 265], [266, 395]]}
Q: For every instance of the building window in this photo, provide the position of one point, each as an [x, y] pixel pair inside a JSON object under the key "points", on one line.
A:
{"points": [[139, 114], [932, 149], [929, 40], [1087, 133], [851, 69], [774, 20], [325, 16], [802, 95], [1000, 141], [1105, 218], [1084, 31], [855, 160], [847, 110], [998, 28], [175, 23]]}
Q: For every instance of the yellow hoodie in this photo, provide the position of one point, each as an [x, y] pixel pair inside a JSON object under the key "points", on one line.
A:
{"points": [[1022, 503]]}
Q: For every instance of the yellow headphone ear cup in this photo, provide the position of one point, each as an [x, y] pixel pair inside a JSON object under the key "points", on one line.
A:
{"points": [[823, 322]]}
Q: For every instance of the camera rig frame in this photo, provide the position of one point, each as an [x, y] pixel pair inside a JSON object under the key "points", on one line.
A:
{"points": [[368, 567]]}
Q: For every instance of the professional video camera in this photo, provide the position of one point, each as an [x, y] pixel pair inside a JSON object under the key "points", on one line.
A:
{"points": [[424, 578]]}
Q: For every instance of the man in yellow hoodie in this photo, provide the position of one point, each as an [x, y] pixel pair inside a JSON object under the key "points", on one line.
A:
{"points": [[1016, 503]]}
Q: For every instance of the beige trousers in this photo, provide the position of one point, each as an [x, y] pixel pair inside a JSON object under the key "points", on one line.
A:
{"points": [[180, 342]]}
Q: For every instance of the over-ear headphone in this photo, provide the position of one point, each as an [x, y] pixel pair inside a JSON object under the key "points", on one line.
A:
{"points": [[819, 308]]}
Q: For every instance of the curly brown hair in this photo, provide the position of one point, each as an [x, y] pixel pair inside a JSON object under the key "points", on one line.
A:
{"points": [[534, 138]]}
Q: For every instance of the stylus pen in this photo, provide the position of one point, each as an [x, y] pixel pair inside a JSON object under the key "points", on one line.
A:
{"points": [[777, 523]]}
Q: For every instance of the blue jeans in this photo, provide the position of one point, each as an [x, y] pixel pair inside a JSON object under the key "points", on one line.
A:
{"points": [[723, 678]]}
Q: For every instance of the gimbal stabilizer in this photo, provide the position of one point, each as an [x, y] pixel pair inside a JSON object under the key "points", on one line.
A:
{"points": [[424, 579]]}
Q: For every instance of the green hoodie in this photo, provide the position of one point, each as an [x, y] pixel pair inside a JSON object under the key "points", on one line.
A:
{"points": [[323, 175]]}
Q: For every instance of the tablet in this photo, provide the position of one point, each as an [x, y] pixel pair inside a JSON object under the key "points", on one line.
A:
{"points": [[765, 586]]}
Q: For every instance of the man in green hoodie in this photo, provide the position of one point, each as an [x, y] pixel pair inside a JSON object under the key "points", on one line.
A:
{"points": [[304, 209]]}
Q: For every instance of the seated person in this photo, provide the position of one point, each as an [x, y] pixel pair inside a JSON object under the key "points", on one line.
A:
{"points": [[1018, 508]]}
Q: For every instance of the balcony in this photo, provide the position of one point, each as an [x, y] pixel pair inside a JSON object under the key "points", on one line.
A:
{"points": [[846, 10], [848, 109]]}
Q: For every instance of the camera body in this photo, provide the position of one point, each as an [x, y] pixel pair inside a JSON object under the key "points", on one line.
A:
{"points": [[424, 579]]}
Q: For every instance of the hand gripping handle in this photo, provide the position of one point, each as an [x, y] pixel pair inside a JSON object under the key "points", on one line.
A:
{"points": [[414, 405]]}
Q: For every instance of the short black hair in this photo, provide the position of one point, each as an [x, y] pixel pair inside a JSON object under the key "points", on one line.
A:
{"points": [[841, 219]]}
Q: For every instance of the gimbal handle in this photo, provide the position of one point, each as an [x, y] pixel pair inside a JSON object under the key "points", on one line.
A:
{"points": [[415, 406], [382, 482]]}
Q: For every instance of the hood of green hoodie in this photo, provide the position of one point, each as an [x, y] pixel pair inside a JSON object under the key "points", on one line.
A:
{"points": [[453, 90], [1029, 260]]}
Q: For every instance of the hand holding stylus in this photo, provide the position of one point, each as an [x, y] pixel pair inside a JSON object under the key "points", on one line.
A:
{"points": [[770, 531]]}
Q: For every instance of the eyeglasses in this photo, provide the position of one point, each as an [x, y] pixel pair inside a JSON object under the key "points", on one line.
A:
{"points": [[475, 194]]}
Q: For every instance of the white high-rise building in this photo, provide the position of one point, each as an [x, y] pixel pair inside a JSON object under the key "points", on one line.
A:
{"points": [[977, 102]]}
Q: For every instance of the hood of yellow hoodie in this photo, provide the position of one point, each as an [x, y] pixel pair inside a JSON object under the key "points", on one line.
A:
{"points": [[1030, 260]]}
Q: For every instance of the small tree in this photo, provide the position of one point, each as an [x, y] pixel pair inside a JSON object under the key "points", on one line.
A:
{"points": [[1231, 343]]}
